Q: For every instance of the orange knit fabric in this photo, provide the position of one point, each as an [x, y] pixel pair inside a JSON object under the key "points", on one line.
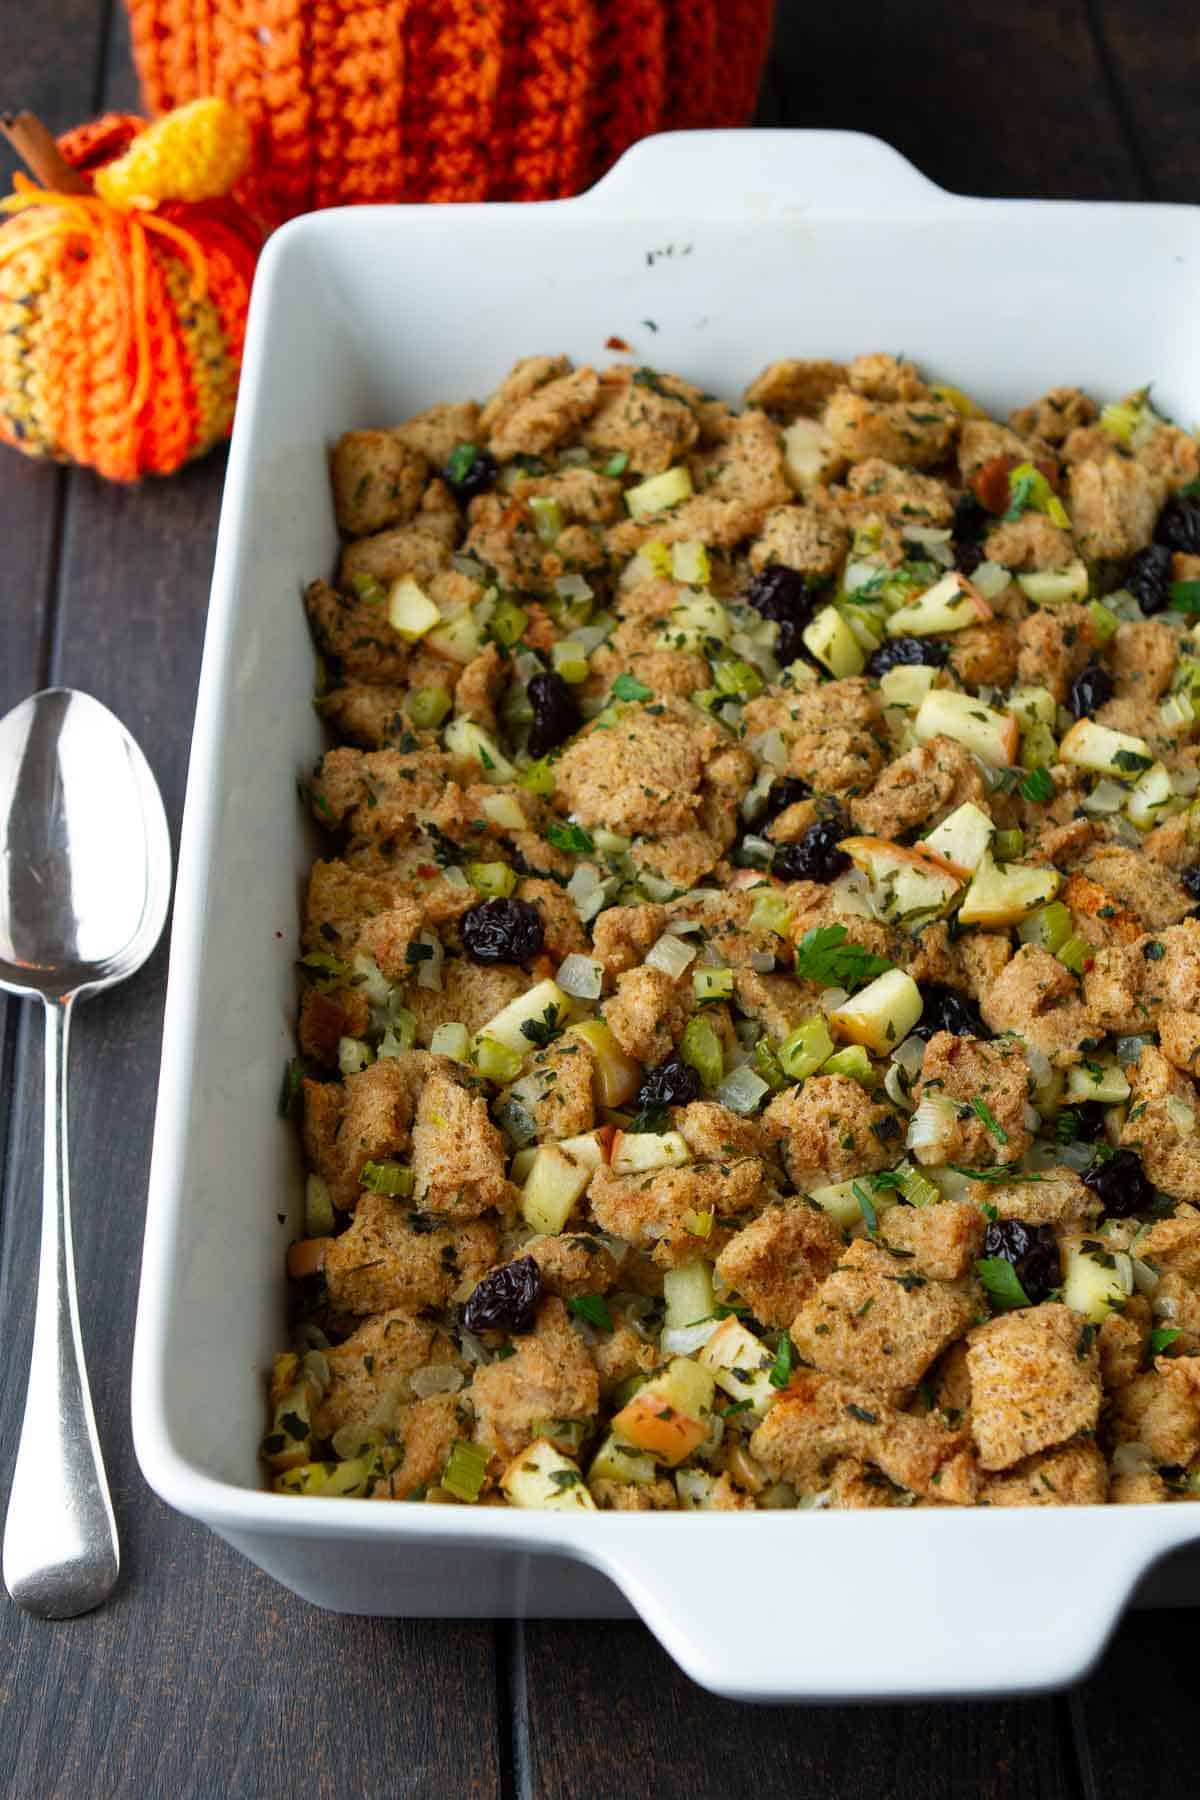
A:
{"points": [[121, 332], [450, 99]]}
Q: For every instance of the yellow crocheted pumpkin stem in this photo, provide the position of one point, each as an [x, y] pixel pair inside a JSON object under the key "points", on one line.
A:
{"points": [[196, 152]]}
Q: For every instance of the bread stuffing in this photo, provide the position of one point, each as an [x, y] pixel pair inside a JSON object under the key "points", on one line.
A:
{"points": [[749, 1016]]}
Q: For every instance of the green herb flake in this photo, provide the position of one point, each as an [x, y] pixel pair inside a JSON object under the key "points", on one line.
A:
{"points": [[1153, 951], [824, 955], [866, 1207], [290, 1088], [1002, 1283], [983, 1112], [781, 1368], [564, 1478], [1038, 785], [628, 687], [862, 1415], [593, 1308], [1131, 762], [461, 461], [617, 464], [1184, 596], [570, 837], [1161, 1338]]}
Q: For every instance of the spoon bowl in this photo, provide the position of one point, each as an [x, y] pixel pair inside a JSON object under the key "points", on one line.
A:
{"points": [[85, 880]]}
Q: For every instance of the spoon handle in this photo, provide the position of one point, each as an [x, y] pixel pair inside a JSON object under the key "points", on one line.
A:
{"points": [[60, 1536]]}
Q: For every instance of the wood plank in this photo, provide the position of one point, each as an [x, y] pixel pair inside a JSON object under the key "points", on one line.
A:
{"points": [[1137, 1714], [607, 1700], [982, 102], [1152, 74]]}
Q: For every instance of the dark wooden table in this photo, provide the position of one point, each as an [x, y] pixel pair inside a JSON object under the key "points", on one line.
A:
{"points": [[202, 1678]]}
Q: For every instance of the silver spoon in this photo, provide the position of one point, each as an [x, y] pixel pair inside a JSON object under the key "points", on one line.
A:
{"points": [[85, 876]]}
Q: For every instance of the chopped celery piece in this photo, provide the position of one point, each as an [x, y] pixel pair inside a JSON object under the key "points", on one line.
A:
{"points": [[570, 661], [1104, 622], [401, 1033], [854, 1062], [547, 518], [804, 1050], [954, 396], [1049, 927], [391, 1178], [1028, 488], [770, 911], [353, 1055], [507, 623], [917, 1189], [742, 679], [701, 1047], [327, 1480], [465, 1471], [712, 984], [495, 879], [767, 1064], [496, 1061], [367, 588], [538, 778], [1075, 954], [452, 1040], [428, 706], [1039, 747], [1007, 845]]}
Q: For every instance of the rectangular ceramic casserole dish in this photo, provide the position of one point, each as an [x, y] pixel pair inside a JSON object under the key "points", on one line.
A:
{"points": [[739, 247]]}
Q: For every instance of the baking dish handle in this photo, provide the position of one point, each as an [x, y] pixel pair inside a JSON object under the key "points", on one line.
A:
{"points": [[884, 1605], [763, 174]]}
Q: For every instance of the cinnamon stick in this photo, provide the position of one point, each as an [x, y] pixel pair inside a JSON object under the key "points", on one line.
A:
{"points": [[40, 154]]}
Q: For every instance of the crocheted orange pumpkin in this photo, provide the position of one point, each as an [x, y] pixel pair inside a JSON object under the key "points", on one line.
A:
{"points": [[123, 290], [450, 99]]}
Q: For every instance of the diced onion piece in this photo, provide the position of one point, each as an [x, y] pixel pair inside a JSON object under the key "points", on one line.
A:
{"points": [[581, 976], [1056, 587], [318, 1208], [1181, 1115], [1107, 796], [452, 1040], [354, 1055], [572, 587], [436, 1378], [659, 493], [770, 748], [742, 1090], [457, 639], [1129, 1049], [932, 1126], [671, 954], [990, 579]]}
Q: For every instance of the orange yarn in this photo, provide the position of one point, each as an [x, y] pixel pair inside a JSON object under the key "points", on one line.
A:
{"points": [[121, 331], [450, 99]]}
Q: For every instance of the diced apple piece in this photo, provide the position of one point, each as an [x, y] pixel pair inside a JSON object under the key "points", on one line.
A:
{"points": [[995, 736], [1152, 798], [506, 811], [963, 838], [695, 622], [590, 1147], [670, 1416], [881, 1014], [633, 1152], [1090, 1286], [690, 564], [1056, 587], [659, 493], [1091, 746], [457, 639], [688, 1291], [411, 613], [1003, 895], [616, 1076], [907, 685], [741, 1364], [553, 1185], [615, 1461], [809, 455], [949, 605], [840, 1201], [542, 1477], [905, 884], [545, 1004], [833, 643], [1102, 1081], [472, 743], [1033, 706]]}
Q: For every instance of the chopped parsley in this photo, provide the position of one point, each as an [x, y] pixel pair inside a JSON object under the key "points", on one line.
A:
{"points": [[998, 1172], [1154, 951], [1131, 762], [1184, 596], [617, 463], [781, 1368], [983, 1111], [593, 1308], [866, 1207], [628, 687], [862, 1415], [1002, 1283], [1161, 1337], [289, 1092], [564, 1478], [461, 461], [824, 955], [542, 1031], [570, 837], [1038, 785]]}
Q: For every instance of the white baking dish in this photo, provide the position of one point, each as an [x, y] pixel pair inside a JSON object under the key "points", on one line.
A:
{"points": [[740, 247]]}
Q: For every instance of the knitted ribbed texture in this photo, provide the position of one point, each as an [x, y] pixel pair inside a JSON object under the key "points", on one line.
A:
{"points": [[453, 100], [121, 331]]}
